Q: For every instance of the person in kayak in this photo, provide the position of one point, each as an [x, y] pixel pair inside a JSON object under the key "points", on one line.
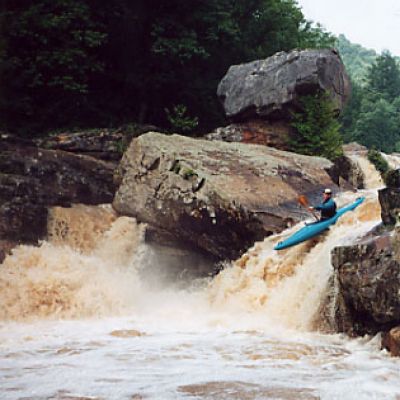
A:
{"points": [[327, 207]]}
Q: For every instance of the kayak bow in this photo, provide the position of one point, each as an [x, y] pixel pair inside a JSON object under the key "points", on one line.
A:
{"points": [[316, 228]]}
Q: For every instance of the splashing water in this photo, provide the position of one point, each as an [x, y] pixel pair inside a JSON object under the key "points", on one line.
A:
{"points": [[373, 179], [80, 226], [246, 334], [61, 281], [392, 159], [288, 286]]}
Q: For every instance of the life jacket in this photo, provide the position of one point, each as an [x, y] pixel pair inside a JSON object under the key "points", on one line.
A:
{"points": [[328, 209]]}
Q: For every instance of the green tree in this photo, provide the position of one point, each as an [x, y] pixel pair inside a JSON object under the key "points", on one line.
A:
{"points": [[383, 77], [180, 50], [85, 62], [315, 36], [49, 57], [378, 125], [351, 112], [179, 120], [356, 58], [316, 128], [380, 163], [372, 115]]}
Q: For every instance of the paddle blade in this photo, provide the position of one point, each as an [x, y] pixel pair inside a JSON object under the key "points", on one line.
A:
{"points": [[303, 200]]}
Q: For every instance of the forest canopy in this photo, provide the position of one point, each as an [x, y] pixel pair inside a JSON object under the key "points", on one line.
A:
{"points": [[84, 63], [372, 116]]}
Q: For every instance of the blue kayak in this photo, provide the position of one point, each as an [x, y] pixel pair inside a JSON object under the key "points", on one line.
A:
{"points": [[314, 229]]}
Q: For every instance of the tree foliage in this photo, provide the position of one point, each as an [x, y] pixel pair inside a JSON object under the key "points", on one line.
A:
{"points": [[383, 77], [80, 63], [378, 125], [48, 61], [179, 120], [356, 58], [372, 117], [380, 163], [351, 111], [317, 130]]}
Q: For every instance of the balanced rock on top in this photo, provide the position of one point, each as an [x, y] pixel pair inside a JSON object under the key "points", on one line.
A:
{"points": [[270, 88]]}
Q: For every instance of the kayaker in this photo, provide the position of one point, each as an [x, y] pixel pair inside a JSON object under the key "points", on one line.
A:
{"points": [[327, 207]]}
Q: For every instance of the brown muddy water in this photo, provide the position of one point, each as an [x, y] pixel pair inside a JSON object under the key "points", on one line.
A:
{"points": [[79, 320]]}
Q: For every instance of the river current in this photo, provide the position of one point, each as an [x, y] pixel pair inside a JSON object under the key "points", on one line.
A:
{"points": [[80, 320]]}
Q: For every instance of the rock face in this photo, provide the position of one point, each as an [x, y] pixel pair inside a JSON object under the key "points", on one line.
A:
{"points": [[347, 174], [389, 198], [363, 293], [214, 196], [270, 88], [367, 275], [32, 179], [273, 134], [391, 341], [355, 148], [5, 248], [104, 144], [369, 283]]}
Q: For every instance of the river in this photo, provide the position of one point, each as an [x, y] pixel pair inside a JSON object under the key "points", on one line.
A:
{"points": [[80, 320]]}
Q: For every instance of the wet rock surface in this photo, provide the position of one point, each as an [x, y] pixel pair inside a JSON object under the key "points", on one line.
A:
{"points": [[390, 203], [213, 196], [347, 174], [368, 277], [389, 199], [363, 292], [392, 179], [5, 248], [32, 179], [391, 341], [270, 88]]}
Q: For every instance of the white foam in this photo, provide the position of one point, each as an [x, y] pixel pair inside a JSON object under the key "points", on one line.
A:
{"points": [[244, 334]]}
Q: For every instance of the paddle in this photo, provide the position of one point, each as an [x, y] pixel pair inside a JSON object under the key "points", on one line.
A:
{"points": [[304, 202]]}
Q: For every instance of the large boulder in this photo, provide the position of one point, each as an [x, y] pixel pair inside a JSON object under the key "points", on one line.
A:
{"points": [[391, 341], [347, 173], [368, 278], [32, 179], [392, 178], [362, 295], [270, 88], [389, 197], [214, 196]]}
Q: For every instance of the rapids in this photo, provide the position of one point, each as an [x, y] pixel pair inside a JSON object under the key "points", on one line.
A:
{"points": [[79, 319]]}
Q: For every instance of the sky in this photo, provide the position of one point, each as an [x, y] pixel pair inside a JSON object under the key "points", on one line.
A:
{"points": [[375, 24]]}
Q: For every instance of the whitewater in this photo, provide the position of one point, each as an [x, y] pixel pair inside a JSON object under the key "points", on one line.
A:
{"points": [[82, 317]]}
